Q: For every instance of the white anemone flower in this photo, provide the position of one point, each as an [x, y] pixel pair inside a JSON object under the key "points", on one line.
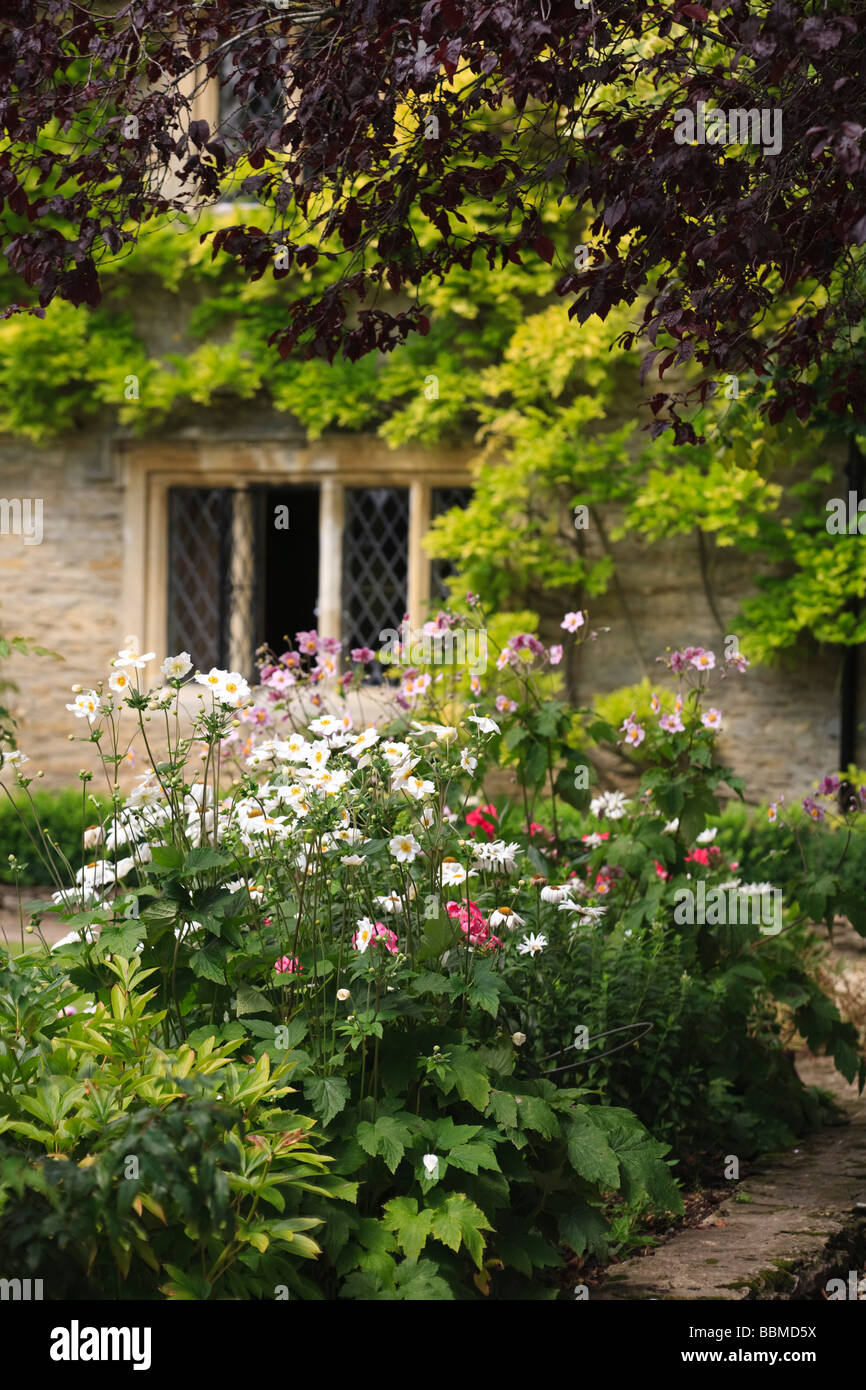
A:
{"points": [[531, 945], [174, 668], [404, 848], [119, 682], [453, 874], [12, 757], [130, 656], [587, 916], [390, 902], [364, 935], [612, 805], [485, 725], [85, 705]]}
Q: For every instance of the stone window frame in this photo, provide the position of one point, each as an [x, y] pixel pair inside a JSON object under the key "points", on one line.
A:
{"points": [[149, 469]]}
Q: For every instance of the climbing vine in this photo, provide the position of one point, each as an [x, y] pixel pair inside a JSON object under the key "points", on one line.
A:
{"points": [[551, 405]]}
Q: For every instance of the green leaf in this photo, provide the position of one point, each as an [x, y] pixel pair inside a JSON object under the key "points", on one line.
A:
{"points": [[166, 858], [185, 1286], [534, 1113], [207, 967], [411, 1226], [459, 1219], [251, 1001], [503, 1109], [438, 937], [161, 913], [590, 1155], [645, 1175], [484, 990], [584, 1229], [429, 982], [466, 1073], [328, 1095], [205, 858], [120, 941], [422, 1282], [388, 1137], [471, 1157]]}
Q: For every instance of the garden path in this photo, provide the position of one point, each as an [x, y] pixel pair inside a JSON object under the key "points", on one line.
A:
{"points": [[797, 1219]]}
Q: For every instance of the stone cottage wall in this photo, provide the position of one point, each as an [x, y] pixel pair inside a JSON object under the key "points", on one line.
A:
{"points": [[781, 726], [63, 593]]}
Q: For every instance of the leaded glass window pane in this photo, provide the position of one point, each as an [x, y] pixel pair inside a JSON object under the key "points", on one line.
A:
{"points": [[214, 586], [375, 563]]}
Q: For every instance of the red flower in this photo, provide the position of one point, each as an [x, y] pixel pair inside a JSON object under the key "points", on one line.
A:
{"points": [[476, 818]]}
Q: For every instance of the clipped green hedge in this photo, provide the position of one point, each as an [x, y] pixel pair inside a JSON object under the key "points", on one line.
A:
{"points": [[60, 815]]}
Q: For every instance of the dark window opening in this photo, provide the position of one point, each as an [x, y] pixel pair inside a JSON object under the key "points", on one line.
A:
{"points": [[291, 564], [442, 500]]}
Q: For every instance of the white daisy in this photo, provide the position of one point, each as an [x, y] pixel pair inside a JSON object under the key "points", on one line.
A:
{"points": [[556, 893], [453, 873], [531, 945], [613, 805], [507, 917]]}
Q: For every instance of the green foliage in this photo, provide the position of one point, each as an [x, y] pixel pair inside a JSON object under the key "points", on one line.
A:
{"points": [[550, 403], [63, 815], [8, 646], [128, 1171], [471, 1151], [687, 1031], [822, 867], [522, 1167]]}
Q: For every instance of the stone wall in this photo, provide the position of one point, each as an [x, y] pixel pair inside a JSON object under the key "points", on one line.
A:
{"points": [[63, 593], [781, 726]]}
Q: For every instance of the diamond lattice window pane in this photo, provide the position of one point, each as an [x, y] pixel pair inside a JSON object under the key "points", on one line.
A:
{"points": [[442, 500], [375, 563], [199, 548]]}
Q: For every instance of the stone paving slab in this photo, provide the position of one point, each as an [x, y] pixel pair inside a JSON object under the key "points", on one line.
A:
{"points": [[799, 1201]]}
